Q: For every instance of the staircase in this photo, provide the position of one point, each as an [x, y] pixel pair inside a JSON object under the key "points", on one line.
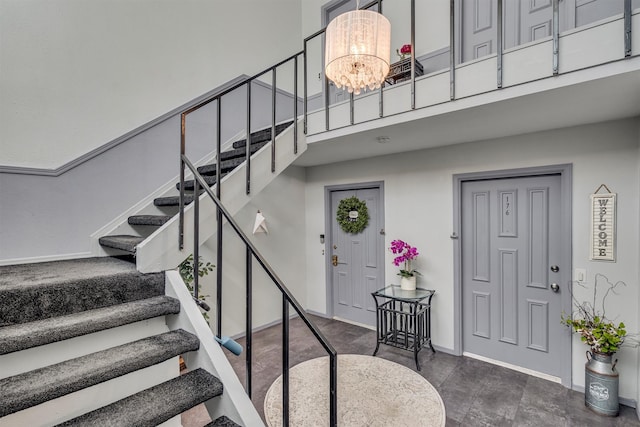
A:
{"points": [[151, 234], [94, 342]]}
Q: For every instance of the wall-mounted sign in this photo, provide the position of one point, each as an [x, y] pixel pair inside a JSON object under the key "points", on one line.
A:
{"points": [[603, 226]]}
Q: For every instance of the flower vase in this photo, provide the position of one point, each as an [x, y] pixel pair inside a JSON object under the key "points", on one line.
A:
{"points": [[408, 283]]}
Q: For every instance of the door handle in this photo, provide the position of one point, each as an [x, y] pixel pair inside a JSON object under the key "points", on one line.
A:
{"points": [[334, 260], [555, 287]]}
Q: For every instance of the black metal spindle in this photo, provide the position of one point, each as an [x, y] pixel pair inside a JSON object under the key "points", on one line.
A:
{"points": [[183, 137], [413, 54], [273, 119], [452, 50], [556, 37], [499, 46], [248, 140], [285, 361], [381, 90], [304, 88], [295, 105], [627, 28], [196, 237], [218, 147], [249, 321]]}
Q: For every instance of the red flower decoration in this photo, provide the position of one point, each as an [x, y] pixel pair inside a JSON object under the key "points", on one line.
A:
{"points": [[405, 49]]}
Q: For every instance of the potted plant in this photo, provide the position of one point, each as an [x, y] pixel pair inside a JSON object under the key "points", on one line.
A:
{"points": [[604, 337], [405, 254]]}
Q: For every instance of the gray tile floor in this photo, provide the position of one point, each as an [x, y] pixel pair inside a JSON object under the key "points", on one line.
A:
{"points": [[475, 393]]}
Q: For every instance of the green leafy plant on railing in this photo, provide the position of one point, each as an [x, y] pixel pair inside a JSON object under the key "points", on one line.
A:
{"points": [[186, 270]]}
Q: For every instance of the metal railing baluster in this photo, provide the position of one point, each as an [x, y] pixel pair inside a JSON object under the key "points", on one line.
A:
{"points": [[183, 130], [556, 37], [249, 321], [196, 237], [248, 141], [413, 54], [285, 361], [273, 119], [295, 105], [499, 46], [452, 50], [627, 29]]}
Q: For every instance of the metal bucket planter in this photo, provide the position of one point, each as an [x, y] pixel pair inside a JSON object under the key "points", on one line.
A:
{"points": [[601, 384]]}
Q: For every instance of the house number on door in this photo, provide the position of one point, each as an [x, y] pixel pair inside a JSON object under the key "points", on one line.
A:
{"points": [[508, 217]]}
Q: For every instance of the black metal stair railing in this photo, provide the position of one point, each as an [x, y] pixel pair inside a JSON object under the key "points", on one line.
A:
{"points": [[200, 185], [287, 299]]}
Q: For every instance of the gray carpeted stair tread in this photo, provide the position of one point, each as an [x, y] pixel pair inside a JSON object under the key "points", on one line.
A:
{"points": [[32, 292], [262, 135], [155, 220], [222, 422], [33, 334], [172, 200], [41, 385], [123, 242], [209, 179], [157, 404], [225, 165]]}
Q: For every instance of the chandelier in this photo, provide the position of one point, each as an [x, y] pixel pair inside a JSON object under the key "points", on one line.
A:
{"points": [[357, 46]]}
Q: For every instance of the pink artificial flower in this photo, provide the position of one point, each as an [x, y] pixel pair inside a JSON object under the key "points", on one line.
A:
{"points": [[405, 49]]}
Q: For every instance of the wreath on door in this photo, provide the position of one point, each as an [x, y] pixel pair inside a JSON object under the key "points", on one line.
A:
{"points": [[352, 215]]}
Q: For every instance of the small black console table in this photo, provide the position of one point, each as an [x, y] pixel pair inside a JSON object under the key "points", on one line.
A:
{"points": [[403, 319]]}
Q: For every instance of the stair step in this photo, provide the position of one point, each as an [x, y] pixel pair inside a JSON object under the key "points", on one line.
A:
{"points": [[242, 152], [222, 422], [41, 385], [262, 135], [32, 292], [33, 334], [229, 165], [123, 242], [226, 165], [155, 220], [209, 179], [157, 404], [172, 200]]}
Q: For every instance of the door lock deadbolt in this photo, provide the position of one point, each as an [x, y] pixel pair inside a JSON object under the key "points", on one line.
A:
{"points": [[555, 268]]}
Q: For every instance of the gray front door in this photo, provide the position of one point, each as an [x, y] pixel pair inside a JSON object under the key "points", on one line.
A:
{"points": [[510, 250], [360, 257]]}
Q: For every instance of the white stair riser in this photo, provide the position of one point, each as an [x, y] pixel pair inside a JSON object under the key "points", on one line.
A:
{"points": [[38, 357], [75, 404]]}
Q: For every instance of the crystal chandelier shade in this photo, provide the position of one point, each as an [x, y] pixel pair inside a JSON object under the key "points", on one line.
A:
{"points": [[357, 50]]}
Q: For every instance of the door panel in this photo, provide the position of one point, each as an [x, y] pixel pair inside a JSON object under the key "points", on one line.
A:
{"points": [[478, 28], [359, 270], [510, 238]]}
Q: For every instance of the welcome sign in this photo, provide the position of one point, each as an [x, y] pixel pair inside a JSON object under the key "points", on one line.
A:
{"points": [[603, 227]]}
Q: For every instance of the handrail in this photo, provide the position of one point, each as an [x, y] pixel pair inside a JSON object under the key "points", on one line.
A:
{"points": [[288, 298]]}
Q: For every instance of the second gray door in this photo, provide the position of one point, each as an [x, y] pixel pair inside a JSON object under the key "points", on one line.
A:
{"points": [[510, 269], [358, 270]]}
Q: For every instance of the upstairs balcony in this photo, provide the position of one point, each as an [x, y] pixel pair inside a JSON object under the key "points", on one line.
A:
{"points": [[505, 68]]}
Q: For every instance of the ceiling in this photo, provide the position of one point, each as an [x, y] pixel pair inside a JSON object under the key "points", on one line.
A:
{"points": [[532, 107]]}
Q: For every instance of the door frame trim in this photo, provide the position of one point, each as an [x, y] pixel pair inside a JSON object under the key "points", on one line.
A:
{"points": [[328, 189], [566, 198]]}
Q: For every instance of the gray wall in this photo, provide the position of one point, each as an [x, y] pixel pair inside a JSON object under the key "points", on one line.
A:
{"points": [[52, 217]]}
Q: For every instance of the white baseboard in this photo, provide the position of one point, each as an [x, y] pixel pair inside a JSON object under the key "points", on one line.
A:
{"points": [[515, 368], [45, 258], [351, 322]]}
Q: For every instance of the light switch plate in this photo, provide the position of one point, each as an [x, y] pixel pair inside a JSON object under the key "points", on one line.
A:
{"points": [[580, 275]]}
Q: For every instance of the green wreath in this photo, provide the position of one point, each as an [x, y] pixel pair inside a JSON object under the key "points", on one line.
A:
{"points": [[352, 215]]}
